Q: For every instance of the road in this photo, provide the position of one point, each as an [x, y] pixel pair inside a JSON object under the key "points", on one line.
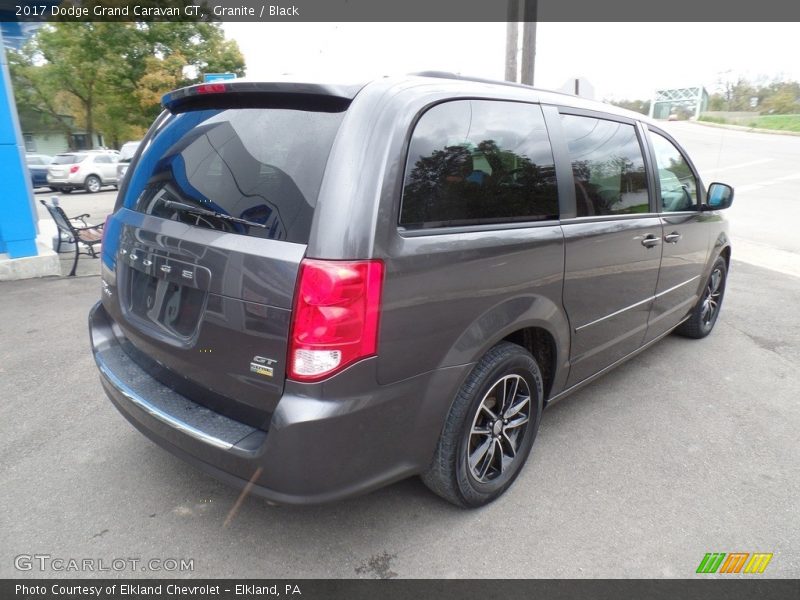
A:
{"points": [[690, 448], [765, 172], [687, 449]]}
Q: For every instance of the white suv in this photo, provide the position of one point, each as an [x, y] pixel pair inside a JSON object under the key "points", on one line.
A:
{"points": [[89, 170]]}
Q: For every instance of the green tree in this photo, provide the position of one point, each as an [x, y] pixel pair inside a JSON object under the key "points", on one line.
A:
{"points": [[640, 106], [716, 102], [110, 76], [778, 97], [782, 98], [739, 94]]}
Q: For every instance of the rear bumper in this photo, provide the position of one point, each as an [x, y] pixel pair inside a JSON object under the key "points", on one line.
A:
{"points": [[326, 441], [59, 182]]}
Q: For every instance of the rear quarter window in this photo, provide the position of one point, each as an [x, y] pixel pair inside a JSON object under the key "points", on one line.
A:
{"points": [[479, 162], [261, 166]]}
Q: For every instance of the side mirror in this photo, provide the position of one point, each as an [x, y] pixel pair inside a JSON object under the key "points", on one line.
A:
{"points": [[720, 196]]}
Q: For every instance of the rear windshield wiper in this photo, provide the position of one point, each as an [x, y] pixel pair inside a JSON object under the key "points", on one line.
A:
{"points": [[211, 213]]}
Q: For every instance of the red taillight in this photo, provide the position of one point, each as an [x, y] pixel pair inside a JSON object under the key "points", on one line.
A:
{"points": [[210, 88], [74, 169], [335, 318]]}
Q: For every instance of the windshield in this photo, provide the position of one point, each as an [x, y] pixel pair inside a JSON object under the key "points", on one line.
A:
{"points": [[252, 171]]}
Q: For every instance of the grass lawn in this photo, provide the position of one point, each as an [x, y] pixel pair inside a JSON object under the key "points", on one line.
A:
{"points": [[783, 122]]}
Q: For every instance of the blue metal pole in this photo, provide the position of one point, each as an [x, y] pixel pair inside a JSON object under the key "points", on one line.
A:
{"points": [[17, 212]]}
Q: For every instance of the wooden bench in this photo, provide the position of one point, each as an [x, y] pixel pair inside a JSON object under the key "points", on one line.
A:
{"points": [[77, 231]]}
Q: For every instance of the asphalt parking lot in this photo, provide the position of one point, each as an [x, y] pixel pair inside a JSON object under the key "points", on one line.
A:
{"points": [[692, 447], [687, 449]]}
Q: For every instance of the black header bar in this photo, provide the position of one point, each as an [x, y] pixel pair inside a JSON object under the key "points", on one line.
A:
{"points": [[402, 11], [736, 588]]}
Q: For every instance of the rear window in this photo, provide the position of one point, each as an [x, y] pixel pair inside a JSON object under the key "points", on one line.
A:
{"points": [[68, 159], [251, 171]]}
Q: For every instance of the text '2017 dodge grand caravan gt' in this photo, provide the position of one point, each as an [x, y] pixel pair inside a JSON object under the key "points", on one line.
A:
{"points": [[322, 289]]}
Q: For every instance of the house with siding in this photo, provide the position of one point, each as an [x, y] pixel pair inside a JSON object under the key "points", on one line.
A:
{"points": [[45, 134]]}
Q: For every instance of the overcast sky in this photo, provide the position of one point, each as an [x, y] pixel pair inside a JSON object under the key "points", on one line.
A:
{"points": [[621, 60]]}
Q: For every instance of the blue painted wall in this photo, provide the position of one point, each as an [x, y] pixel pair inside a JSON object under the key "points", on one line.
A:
{"points": [[17, 212]]}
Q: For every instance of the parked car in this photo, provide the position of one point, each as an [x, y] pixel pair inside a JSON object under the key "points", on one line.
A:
{"points": [[315, 290], [89, 170], [125, 155], [37, 167]]}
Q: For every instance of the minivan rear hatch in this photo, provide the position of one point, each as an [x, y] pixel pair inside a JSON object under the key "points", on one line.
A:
{"points": [[208, 237]]}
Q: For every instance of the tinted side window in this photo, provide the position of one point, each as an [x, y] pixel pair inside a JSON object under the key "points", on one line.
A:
{"points": [[479, 161], [607, 165], [102, 159], [677, 182]]}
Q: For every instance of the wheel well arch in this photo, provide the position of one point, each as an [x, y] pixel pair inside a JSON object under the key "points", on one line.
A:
{"points": [[542, 345], [726, 254], [534, 322]]}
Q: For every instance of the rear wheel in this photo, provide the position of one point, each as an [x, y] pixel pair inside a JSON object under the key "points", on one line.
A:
{"points": [[490, 428], [92, 184], [704, 314]]}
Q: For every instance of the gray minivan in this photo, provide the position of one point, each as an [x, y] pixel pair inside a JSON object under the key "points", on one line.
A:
{"points": [[315, 290]]}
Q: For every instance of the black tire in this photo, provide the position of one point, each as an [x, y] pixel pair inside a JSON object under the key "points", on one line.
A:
{"points": [[92, 184], [701, 321], [469, 428]]}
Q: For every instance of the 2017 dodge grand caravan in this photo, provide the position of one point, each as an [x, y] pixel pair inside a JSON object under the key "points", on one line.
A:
{"points": [[317, 290]]}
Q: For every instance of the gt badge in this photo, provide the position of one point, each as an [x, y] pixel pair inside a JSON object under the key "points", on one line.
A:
{"points": [[262, 366]]}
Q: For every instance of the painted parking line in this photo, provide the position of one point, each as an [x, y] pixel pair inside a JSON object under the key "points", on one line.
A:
{"points": [[760, 161], [761, 184]]}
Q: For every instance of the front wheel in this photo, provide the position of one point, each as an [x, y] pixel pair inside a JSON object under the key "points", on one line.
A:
{"points": [[489, 430], [704, 315]]}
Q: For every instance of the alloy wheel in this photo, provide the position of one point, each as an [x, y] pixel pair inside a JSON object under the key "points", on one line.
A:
{"points": [[711, 298], [498, 428]]}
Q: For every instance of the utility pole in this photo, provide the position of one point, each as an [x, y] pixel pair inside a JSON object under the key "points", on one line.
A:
{"points": [[512, 40], [528, 41]]}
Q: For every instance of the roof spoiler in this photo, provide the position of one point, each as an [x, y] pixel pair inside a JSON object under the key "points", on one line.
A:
{"points": [[250, 94]]}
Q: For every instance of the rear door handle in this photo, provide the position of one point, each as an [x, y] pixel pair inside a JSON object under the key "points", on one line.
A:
{"points": [[672, 238], [650, 241]]}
